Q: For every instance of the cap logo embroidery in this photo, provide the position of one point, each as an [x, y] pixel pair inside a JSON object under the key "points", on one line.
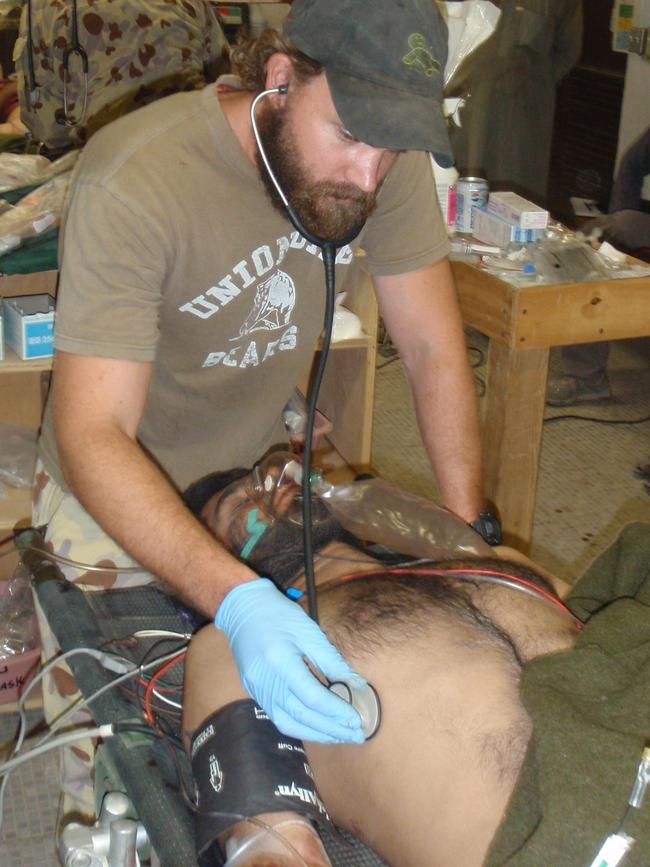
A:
{"points": [[419, 56]]}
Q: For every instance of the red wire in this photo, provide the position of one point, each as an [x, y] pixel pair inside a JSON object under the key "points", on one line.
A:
{"points": [[145, 682], [442, 573], [152, 685]]}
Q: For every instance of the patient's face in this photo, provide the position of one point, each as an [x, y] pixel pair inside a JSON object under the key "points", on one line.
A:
{"points": [[259, 518], [270, 493], [228, 513]]}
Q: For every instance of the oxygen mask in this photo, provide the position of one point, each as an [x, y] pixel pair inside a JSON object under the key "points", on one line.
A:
{"points": [[275, 486]]}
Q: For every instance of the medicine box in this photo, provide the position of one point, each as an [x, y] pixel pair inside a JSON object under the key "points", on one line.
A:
{"points": [[517, 210], [492, 229], [29, 325]]}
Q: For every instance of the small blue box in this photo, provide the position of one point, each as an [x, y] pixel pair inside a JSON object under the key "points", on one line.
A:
{"points": [[29, 325]]}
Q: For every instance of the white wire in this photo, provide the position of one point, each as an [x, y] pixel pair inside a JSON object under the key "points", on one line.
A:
{"points": [[100, 655], [104, 731], [82, 702], [22, 715], [167, 700], [77, 705]]}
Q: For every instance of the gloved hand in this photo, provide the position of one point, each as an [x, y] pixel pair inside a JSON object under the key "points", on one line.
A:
{"points": [[629, 228], [269, 636]]}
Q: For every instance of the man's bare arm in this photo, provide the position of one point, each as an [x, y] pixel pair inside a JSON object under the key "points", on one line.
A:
{"points": [[421, 313], [98, 405]]}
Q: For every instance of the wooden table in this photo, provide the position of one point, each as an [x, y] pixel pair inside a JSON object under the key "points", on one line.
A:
{"points": [[522, 324]]}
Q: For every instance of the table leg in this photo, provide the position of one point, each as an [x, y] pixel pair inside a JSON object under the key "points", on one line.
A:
{"points": [[512, 433]]}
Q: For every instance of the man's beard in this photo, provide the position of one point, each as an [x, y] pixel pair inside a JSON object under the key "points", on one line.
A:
{"points": [[328, 210]]}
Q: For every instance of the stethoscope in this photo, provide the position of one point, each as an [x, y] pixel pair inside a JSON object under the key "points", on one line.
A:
{"points": [[328, 249], [72, 49], [363, 698]]}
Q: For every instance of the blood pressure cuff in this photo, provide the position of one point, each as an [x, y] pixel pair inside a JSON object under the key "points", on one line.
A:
{"points": [[244, 766]]}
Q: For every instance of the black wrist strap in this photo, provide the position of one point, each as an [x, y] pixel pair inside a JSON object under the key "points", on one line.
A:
{"points": [[487, 525]]}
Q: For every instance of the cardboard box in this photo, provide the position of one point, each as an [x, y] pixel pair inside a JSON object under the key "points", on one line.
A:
{"points": [[2, 336], [36, 283], [517, 210], [29, 325], [492, 229]]}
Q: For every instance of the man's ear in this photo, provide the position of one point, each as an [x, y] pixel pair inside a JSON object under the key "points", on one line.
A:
{"points": [[279, 71]]}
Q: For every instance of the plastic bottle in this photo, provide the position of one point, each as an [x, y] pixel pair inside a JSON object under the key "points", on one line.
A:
{"points": [[446, 180], [374, 510]]}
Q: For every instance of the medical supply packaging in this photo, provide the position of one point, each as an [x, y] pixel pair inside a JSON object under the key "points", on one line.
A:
{"points": [[29, 325], [517, 210], [493, 229]]}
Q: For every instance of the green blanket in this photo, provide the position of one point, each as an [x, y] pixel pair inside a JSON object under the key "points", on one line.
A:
{"points": [[39, 253], [591, 712], [36, 254]]}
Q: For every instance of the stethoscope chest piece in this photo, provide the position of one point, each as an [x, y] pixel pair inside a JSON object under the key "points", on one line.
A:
{"points": [[364, 700]]}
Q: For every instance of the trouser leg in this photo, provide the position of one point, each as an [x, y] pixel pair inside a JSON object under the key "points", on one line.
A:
{"points": [[72, 533], [586, 361]]}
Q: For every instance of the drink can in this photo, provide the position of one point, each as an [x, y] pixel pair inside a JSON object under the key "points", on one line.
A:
{"points": [[470, 192]]}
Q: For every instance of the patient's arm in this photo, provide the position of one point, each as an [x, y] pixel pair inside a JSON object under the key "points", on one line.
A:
{"points": [[212, 682]]}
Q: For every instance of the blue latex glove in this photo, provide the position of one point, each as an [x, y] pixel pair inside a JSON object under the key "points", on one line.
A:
{"points": [[269, 636]]}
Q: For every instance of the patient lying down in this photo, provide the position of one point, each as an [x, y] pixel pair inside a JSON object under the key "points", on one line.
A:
{"points": [[444, 654]]}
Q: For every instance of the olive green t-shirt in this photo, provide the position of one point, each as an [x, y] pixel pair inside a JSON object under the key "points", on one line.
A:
{"points": [[173, 255]]}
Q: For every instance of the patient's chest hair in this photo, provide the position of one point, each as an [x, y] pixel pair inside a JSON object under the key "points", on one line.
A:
{"points": [[436, 624]]}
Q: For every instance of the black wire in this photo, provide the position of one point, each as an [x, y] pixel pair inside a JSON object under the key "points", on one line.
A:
{"points": [[329, 259], [596, 420], [386, 363], [328, 249], [139, 688]]}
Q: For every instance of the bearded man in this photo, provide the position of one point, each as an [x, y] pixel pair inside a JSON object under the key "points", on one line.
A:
{"points": [[170, 356]]}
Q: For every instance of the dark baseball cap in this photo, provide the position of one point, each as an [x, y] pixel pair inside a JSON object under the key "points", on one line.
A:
{"points": [[385, 62]]}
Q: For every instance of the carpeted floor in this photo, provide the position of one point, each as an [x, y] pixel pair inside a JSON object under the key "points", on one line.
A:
{"points": [[587, 488], [31, 799]]}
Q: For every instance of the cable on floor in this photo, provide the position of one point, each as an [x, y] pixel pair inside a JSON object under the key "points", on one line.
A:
{"points": [[596, 420]]}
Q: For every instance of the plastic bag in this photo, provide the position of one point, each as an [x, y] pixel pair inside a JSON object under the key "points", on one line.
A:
{"points": [[18, 624], [295, 421], [17, 455], [469, 23], [23, 170], [37, 211], [376, 511], [569, 262]]}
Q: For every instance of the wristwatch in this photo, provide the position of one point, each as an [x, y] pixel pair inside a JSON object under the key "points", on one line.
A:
{"points": [[488, 526]]}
